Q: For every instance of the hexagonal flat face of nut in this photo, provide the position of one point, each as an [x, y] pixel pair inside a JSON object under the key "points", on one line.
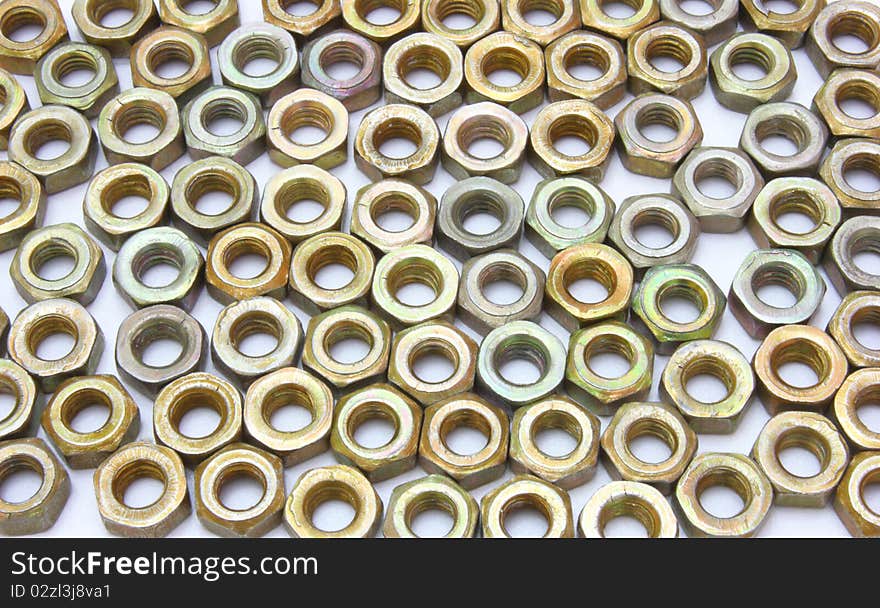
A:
{"points": [[789, 27], [243, 145], [397, 120], [841, 18], [743, 95], [408, 497], [843, 85], [374, 200], [792, 121], [527, 490], [508, 49], [89, 97], [591, 49], [20, 57], [427, 49], [326, 13], [31, 208], [846, 154], [356, 92], [667, 39], [714, 26], [567, 18], [163, 43], [855, 234], [860, 520], [24, 390], [38, 512], [856, 307], [645, 12], [214, 24]]}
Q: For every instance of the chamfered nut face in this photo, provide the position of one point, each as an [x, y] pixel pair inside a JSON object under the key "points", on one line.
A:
{"points": [[326, 13], [356, 92], [430, 52], [566, 15], [374, 200], [14, 106], [844, 18], [89, 15], [17, 382], [717, 25], [397, 120], [551, 501], [742, 95], [89, 97], [510, 51], [846, 155], [20, 57], [856, 308], [547, 234], [587, 48], [859, 233], [163, 44], [243, 145], [848, 85], [852, 508], [215, 24], [788, 27], [24, 186], [571, 118], [40, 511], [409, 498], [645, 12], [789, 120], [667, 39]]}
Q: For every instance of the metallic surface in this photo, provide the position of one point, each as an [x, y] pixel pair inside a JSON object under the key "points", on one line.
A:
{"points": [[410, 499], [38, 512], [505, 51], [526, 491], [628, 499], [247, 239], [744, 95]]}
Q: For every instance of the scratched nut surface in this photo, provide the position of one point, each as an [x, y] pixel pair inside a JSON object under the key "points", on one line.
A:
{"points": [[403, 121], [644, 13], [789, 27], [424, 51], [308, 108], [20, 56], [326, 13], [743, 95], [716, 25], [849, 501], [848, 85], [243, 239], [486, 16], [566, 17], [388, 196], [505, 51], [855, 235], [526, 491], [292, 186], [16, 382], [166, 44], [38, 512], [848, 155], [89, 16], [410, 499], [585, 48], [628, 499], [565, 119], [856, 308], [18, 183], [355, 92], [855, 18], [65, 59], [260, 41], [242, 145], [491, 121], [671, 41], [793, 122]]}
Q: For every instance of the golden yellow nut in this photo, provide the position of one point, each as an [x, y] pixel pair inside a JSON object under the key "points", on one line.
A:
{"points": [[585, 48], [355, 14], [410, 499], [215, 24], [15, 104], [856, 308], [850, 154], [38, 512], [859, 389], [667, 40], [486, 15], [571, 118], [169, 43], [326, 13], [424, 51], [843, 86], [859, 18], [118, 39], [485, 120], [852, 508], [526, 491], [15, 381], [294, 185], [566, 18], [628, 499], [645, 12], [20, 57], [406, 122], [789, 27], [307, 108], [18, 183], [505, 51], [389, 195], [243, 239], [53, 70]]}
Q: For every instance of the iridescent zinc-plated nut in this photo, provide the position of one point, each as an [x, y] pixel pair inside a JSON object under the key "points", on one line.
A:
{"points": [[89, 97], [715, 26], [243, 145], [549, 236], [556, 412], [167, 44], [382, 402], [15, 104], [472, 196], [89, 17], [735, 471], [409, 500], [260, 41], [645, 12], [46, 318], [337, 482], [667, 40], [214, 174], [85, 450], [393, 195], [856, 235], [788, 269], [424, 51], [857, 308], [17, 383], [789, 27], [491, 121], [571, 118], [414, 264], [566, 18], [355, 14], [597, 393], [485, 14], [243, 239], [469, 411], [262, 315], [55, 123], [849, 155], [326, 13], [639, 153], [152, 247], [793, 122], [358, 91], [308, 108], [19, 184], [392, 121], [849, 85], [850, 503], [505, 51], [744, 95], [811, 432], [285, 387], [21, 56], [584, 48], [526, 491], [347, 322], [481, 313], [141, 106], [215, 24], [291, 186], [38, 512], [628, 499], [717, 214], [718, 360], [239, 460], [435, 338], [134, 461], [593, 261], [148, 325], [848, 18]]}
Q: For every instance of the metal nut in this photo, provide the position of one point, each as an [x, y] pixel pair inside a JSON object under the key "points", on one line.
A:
{"points": [[485, 120], [858, 390], [20, 57], [308, 108], [848, 155], [391, 121], [584, 48], [89, 16], [410, 499], [789, 27], [485, 13], [244, 145], [714, 26], [17, 383], [547, 234], [39, 512], [852, 508], [628, 499], [855, 235], [424, 51], [18, 183], [169, 43], [326, 14], [744, 95], [88, 98], [859, 19], [215, 24], [505, 51], [791, 121], [357, 92], [527, 491], [393, 195], [291, 186], [355, 16], [241, 239], [856, 308], [667, 39], [260, 41], [15, 105], [571, 118], [848, 85], [566, 15], [645, 12]]}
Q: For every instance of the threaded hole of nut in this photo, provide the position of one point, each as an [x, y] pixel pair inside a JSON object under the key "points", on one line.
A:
{"points": [[465, 432], [247, 258], [719, 179], [302, 201], [573, 135], [224, 117], [802, 452], [159, 343], [170, 59], [157, 265], [126, 196], [556, 433], [724, 492], [211, 192], [620, 9], [641, 513], [778, 285], [865, 327], [751, 62], [111, 14], [139, 484], [424, 67], [782, 136], [332, 267], [669, 54], [301, 8], [415, 283], [655, 228], [854, 33], [75, 69], [342, 60], [433, 361], [198, 7], [10, 397], [380, 12], [139, 122], [21, 477], [23, 24], [609, 356], [373, 425], [864, 250], [521, 361], [651, 441], [288, 408], [348, 342], [48, 140], [256, 334], [683, 301], [526, 515], [484, 137], [571, 208], [11, 196], [858, 99], [307, 123], [867, 407], [457, 15], [708, 379], [240, 486], [257, 55], [86, 411], [196, 414], [505, 67], [586, 62], [540, 13], [796, 211], [590, 280], [800, 363], [502, 283], [395, 211], [52, 337], [53, 259], [659, 123], [862, 172], [397, 138], [331, 505], [430, 514]]}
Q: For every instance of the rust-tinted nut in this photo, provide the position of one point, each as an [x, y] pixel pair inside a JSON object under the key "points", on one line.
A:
{"points": [[410, 499], [789, 27], [855, 154], [793, 122], [243, 239], [389, 122], [355, 14], [308, 108], [89, 16], [326, 13], [260, 41], [22, 185], [530, 492], [850, 503], [20, 57], [547, 234], [571, 118], [17, 383], [38, 512], [243, 145], [214, 24], [15, 104], [584, 48], [566, 15], [858, 390], [89, 97], [744, 95], [849, 85], [667, 40], [485, 120], [356, 92], [485, 13], [850, 17], [166, 44], [393, 195], [714, 26], [855, 235], [857, 308], [645, 12], [505, 51], [424, 51]]}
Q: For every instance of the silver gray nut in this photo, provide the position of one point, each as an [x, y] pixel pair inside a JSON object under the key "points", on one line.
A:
{"points": [[857, 234], [242, 146], [40, 511], [715, 26], [260, 40], [794, 122], [89, 97]]}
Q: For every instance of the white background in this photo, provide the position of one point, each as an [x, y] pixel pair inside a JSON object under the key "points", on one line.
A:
{"points": [[720, 255]]}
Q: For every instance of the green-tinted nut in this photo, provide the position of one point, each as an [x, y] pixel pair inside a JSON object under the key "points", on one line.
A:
{"points": [[89, 97], [848, 155], [410, 499], [260, 41], [22, 185], [856, 308], [38, 512], [15, 104], [546, 234], [793, 122], [243, 145], [848, 85], [21, 56], [857, 234], [15, 381], [743, 95], [356, 92]]}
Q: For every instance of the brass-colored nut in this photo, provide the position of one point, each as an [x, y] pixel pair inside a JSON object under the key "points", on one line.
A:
{"points": [[859, 19], [567, 18], [199, 178], [742, 95], [586, 48], [526, 491], [337, 482], [571, 118], [50, 123], [848, 85], [856, 308], [88, 98], [197, 390], [595, 392], [628, 499], [715, 26], [424, 51], [729, 164], [485, 13], [308, 108], [505, 51], [88, 450], [355, 14], [414, 264], [556, 412], [788, 269], [645, 12], [666, 39], [482, 314], [792, 121], [789, 27], [687, 281], [811, 432], [147, 325], [289, 386], [45, 318], [244, 145], [15, 381], [391, 121], [660, 210], [326, 13], [115, 183], [260, 41], [358, 91], [410, 499], [242, 239], [18, 183], [39, 512], [303, 182], [719, 360], [593, 261], [89, 14], [849, 501], [329, 328], [136, 461], [479, 195], [432, 338], [524, 340], [215, 25], [801, 344], [246, 317], [383, 402], [484, 120], [83, 281], [549, 236], [21, 57], [168, 43], [239, 459], [376, 199], [4, 329], [642, 155], [855, 235], [141, 106], [15, 105], [470, 411], [318, 251], [849, 155]]}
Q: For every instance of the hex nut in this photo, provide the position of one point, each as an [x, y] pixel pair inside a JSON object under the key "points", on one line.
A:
{"points": [[789, 27], [849, 501], [628, 499], [855, 235], [432, 491], [14, 106], [21, 57], [291, 186], [376, 199], [566, 15], [424, 51], [485, 13], [586, 48], [474, 121], [525, 490], [169, 43], [355, 16], [215, 25], [645, 12], [88, 98], [794, 122], [18, 183], [326, 14], [857, 390], [715, 26], [89, 14], [388, 122], [571, 118], [308, 108], [856, 308], [15, 381], [244, 145], [847, 155], [357, 92], [254, 41], [549, 236], [742, 95], [40, 511], [860, 19], [505, 50], [241, 239], [848, 85], [667, 39]]}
